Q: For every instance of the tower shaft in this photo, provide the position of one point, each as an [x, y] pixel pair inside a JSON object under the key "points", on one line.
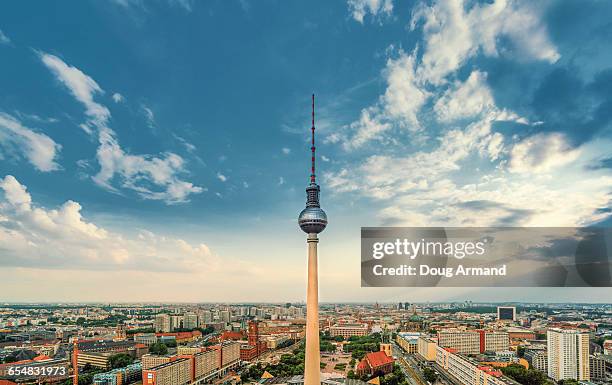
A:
{"points": [[312, 367]]}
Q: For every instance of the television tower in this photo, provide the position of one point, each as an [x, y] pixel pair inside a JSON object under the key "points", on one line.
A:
{"points": [[312, 221]]}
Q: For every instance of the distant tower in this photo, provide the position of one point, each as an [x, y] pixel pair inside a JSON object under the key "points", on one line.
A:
{"points": [[312, 221]]}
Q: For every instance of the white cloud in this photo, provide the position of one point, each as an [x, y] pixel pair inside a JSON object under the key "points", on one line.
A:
{"points": [[221, 177], [33, 236], [286, 150], [400, 104], [245, 184], [149, 115], [360, 8], [39, 149], [4, 39], [541, 153], [118, 98], [404, 96], [465, 100], [324, 158], [453, 34], [430, 188], [365, 129], [281, 181], [151, 177], [82, 87]]}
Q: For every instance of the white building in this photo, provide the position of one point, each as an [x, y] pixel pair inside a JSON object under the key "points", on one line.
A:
{"points": [[568, 354]]}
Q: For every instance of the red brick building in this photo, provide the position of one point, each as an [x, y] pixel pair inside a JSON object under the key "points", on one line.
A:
{"points": [[255, 346], [375, 363]]}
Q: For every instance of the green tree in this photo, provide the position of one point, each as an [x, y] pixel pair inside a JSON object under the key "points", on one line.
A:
{"points": [[120, 360], [525, 376], [430, 375], [159, 349]]}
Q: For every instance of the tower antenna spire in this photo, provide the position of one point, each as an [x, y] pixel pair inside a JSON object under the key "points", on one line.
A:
{"points": [[312, 172]]}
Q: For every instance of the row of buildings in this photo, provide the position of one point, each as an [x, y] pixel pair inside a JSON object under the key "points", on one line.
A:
{"points": [[191, 365], [565, 356]]}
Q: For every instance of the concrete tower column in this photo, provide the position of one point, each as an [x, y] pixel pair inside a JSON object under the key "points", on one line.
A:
{"points": [[312, 367]]}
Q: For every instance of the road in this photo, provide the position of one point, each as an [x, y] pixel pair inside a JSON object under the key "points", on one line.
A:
{"points": [[412, 368], [411, 371]]}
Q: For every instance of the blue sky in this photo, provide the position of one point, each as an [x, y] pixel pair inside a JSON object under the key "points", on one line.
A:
{"points": [[164, 143]]}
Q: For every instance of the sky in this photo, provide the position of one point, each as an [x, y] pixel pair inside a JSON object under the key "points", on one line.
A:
{"points": [[158, 150]]}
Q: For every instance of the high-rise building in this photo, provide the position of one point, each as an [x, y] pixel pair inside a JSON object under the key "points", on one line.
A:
{"points": [[568, 354], [312, 221], [506, 313], [176, 322], [205, 317], [162, 323], [190, 321], [224, 316]]}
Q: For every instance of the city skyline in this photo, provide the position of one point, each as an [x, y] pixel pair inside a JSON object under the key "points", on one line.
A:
{"points": [[161, 145]]}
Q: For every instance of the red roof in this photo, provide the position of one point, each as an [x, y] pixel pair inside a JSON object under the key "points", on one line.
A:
{"points": [[377, 359], [7, 382], [363, 365], [229, 335]]}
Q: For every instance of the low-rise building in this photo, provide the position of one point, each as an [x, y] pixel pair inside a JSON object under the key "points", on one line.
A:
{"points": [[408, 342], [597, 366], [349, 330], [537, 359]]}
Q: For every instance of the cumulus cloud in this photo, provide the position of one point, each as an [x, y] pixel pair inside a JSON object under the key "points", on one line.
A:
{"points": [[155, 177], [118, 98], [404, 96], [286, 150], [453, 34], [465, 100], [39, 149], [34, 236], [366, 128], [360, 8], [541, 153], [431, 187]]}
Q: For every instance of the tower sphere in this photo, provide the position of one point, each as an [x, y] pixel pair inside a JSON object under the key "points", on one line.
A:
{"points": [[312, 220]]}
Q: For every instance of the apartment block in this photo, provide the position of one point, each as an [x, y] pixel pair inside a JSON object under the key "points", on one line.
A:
{"points": [[177, 372], [465, 371], [426, 348], [568, 354], [349, 330]]}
